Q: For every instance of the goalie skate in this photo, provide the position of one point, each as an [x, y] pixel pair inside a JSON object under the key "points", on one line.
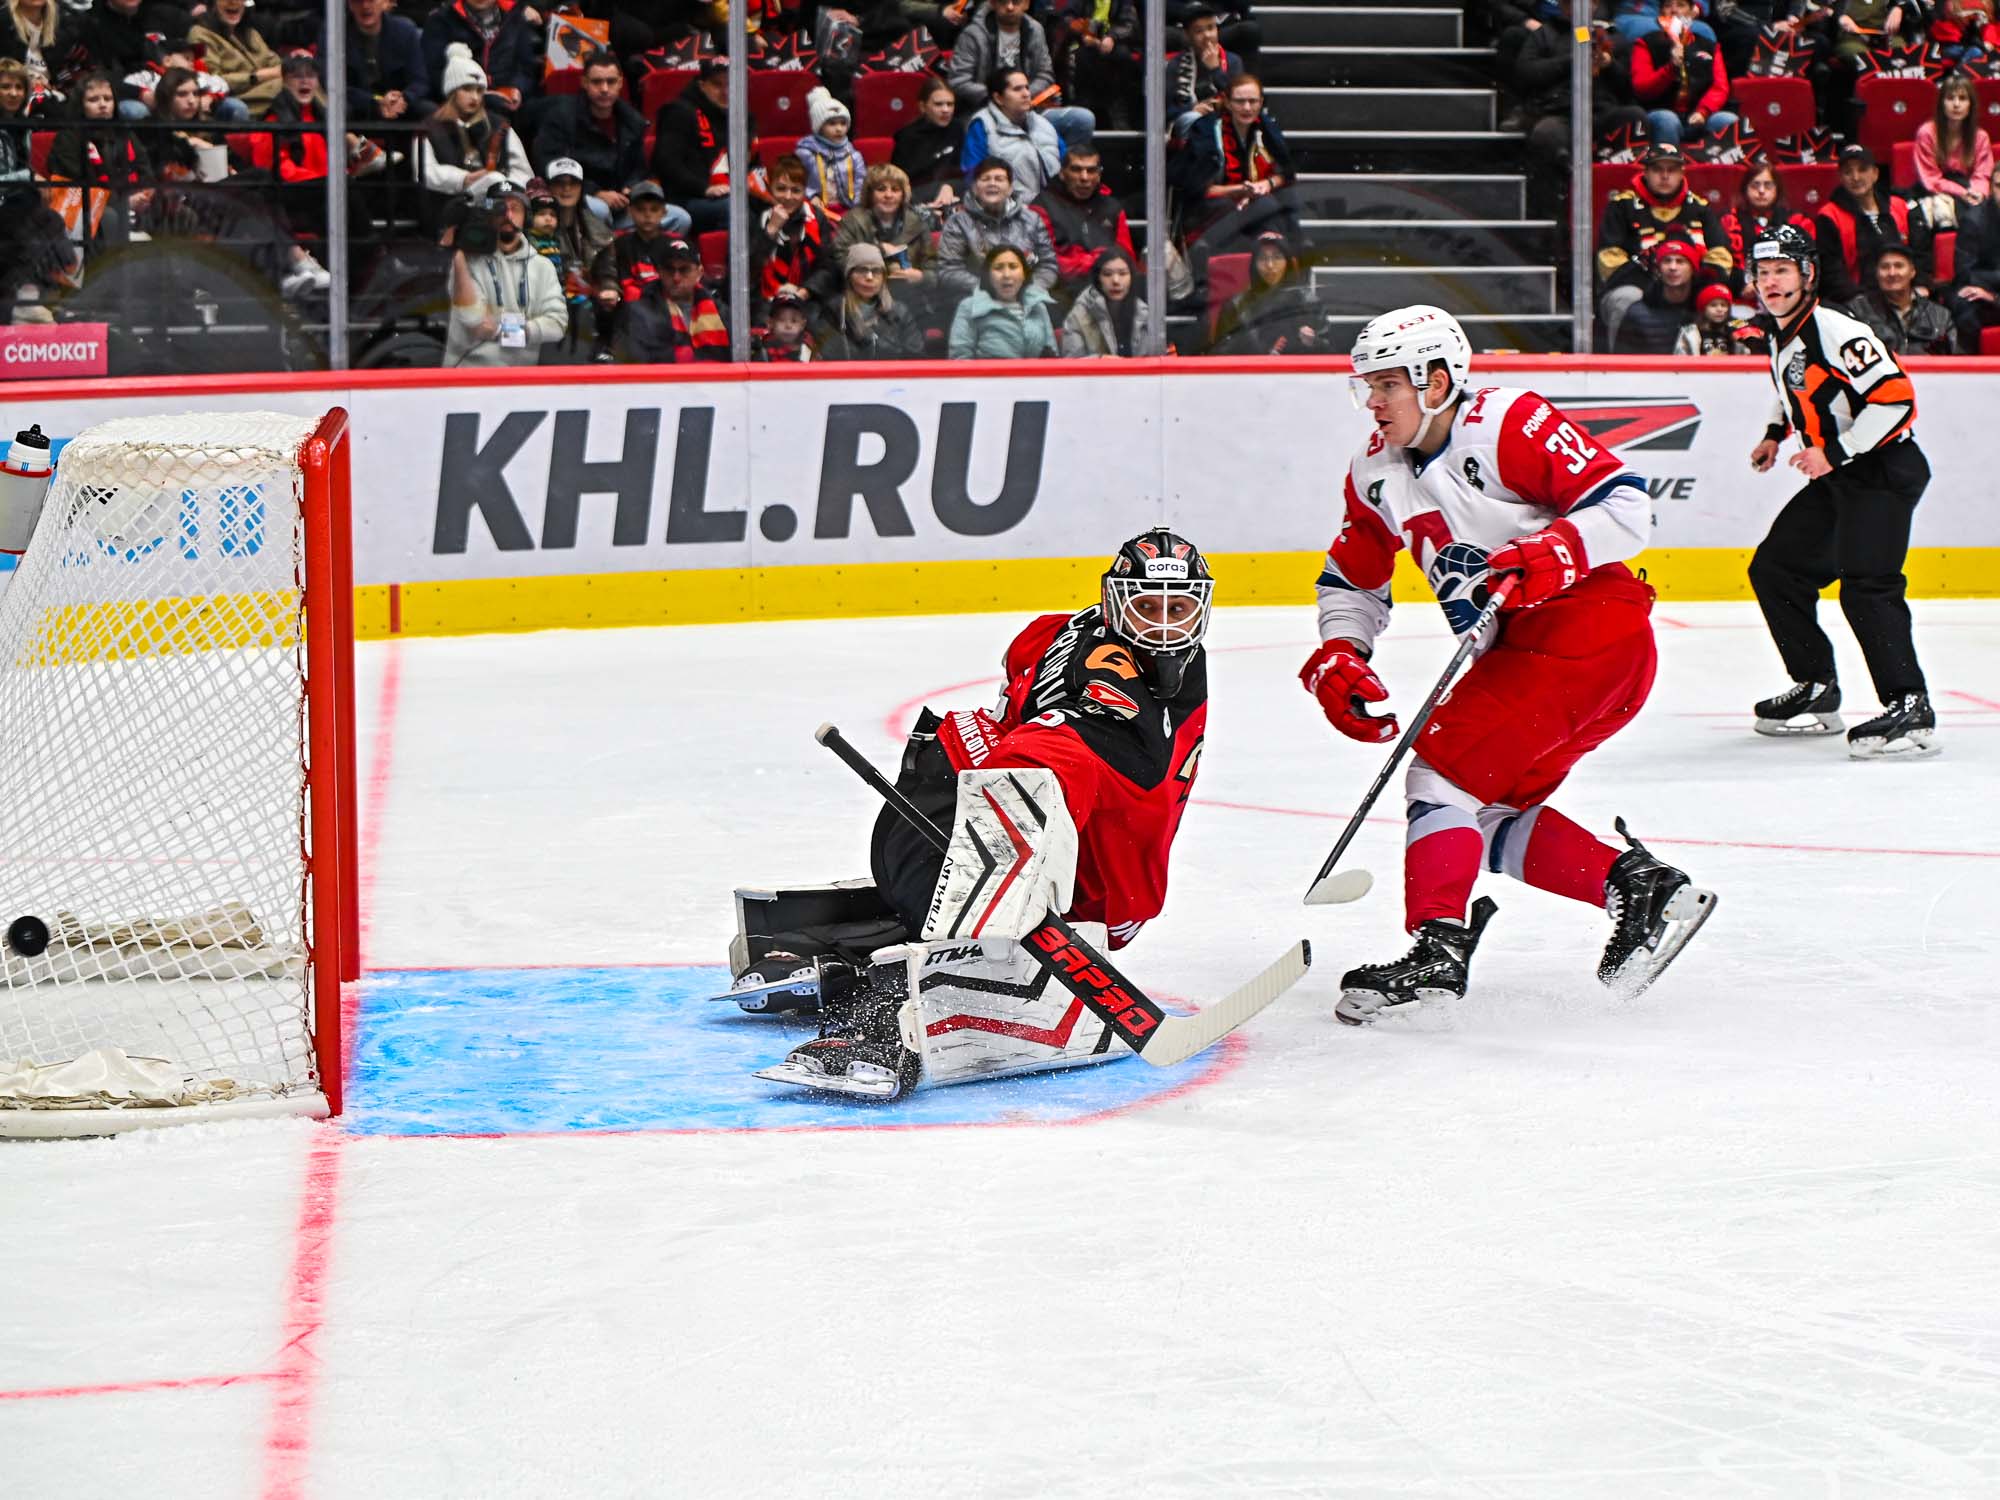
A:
{"points": [[774, 985], [857, 1069]]}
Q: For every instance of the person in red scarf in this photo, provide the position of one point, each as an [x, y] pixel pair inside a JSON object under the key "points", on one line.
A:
{"points": [[1229, 179], [1678, 79], [1638, 219], [691, 148], [788, 241]]}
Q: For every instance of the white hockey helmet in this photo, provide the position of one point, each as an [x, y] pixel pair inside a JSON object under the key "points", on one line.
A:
{"points": [[1411, 339]]}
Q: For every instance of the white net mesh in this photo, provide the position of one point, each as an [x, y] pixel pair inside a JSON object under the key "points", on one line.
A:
{"points": [[152, 774]]}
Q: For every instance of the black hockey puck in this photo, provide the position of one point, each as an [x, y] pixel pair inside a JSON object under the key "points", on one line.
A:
{"points": [[27, 937]]}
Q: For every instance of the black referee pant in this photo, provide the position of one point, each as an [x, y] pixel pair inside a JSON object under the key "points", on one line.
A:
{"points": [[1852, 525]]}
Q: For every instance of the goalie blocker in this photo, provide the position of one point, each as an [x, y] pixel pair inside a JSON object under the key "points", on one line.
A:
{"points": [[1065, 798]]}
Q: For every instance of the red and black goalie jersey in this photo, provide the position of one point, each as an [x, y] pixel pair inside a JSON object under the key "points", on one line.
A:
{"points": [[1078, 702]]}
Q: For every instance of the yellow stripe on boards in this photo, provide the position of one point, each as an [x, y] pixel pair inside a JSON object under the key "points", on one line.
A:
{"points": [[712, 596], [129, 629]]}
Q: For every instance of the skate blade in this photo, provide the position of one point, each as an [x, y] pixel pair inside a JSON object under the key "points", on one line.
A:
{"points": [[1690, 907], [1916, 745], [762, 999], [1803, 725], [829, 1083]]}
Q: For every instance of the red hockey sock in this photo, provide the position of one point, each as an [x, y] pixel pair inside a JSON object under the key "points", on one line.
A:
{"points": [[1439, 866], [1561, 857]]}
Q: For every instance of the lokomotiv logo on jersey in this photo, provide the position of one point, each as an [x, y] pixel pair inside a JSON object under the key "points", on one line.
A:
{"points": [[1458, 574]]}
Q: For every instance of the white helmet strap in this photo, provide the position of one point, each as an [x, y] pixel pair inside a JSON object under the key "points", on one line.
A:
{"points": [[1421, 379]]}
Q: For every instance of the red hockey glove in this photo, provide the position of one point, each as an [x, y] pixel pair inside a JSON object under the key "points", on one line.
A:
{"points": [[1548, 562], [1342, 681]]}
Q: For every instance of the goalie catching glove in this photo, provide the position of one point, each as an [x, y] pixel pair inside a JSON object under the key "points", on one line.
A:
{"points": [[1012, 857]]}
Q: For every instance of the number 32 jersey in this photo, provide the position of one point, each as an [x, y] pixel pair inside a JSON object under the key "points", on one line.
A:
{"points": [[1512, 466]]}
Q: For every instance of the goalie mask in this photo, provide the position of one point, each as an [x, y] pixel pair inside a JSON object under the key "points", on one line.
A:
{"points": [[1156, 595]]}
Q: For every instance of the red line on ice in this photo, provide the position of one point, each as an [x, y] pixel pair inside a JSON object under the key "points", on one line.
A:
{"points": [[128, 1387], [1310, 812], [1971, 698], [288, 1442]]}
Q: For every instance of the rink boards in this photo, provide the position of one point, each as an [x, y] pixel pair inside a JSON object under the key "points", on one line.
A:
{"points": [[535, 499]]}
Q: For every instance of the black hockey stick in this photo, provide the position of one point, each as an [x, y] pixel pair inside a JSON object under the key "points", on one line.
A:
{"points": [[1328, 889], [1160, 1038]]}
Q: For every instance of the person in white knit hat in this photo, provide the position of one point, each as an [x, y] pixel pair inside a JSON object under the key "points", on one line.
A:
{"points": [[463, 147], [834, 168]]}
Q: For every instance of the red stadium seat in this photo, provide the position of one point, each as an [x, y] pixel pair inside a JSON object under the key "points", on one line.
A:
{"points": [[1892, 109], [714, 250], [661, 87], [885, 102], [1989, 341], [875, 149], [1606, 178], [1773, 107], [770, 148], [1717, 183], [1944, 252], [1227, 275], [40, 144], [1808, 189], [1903, 164], [778, 103], [1989, 104], [564, 81]]}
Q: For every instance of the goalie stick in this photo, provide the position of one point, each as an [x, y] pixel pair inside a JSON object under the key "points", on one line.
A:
{"points": [[1329, 889], [1161, 1039]]}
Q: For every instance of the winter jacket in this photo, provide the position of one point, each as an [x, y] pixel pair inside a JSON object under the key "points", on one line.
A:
{"points": [[977, 54], [398, 50], [520, 281], [1213, 155], [985, 329], [1653, 324], [1848, 236], [1032, 148], [119, 44], [632, 265], [971, 234], [1088, 332], [293, 158], [1633, 223], [893, 335], [796, 254], [691, 145], [1081, 232], [1540, 77], [1267, 320], [1188, 82], [102, 154], [931, 154], [860, 226], [610, 162], [235, 54], [449, 152], [64, 58], [1698, 85], [833, 173], [511, 60], [1924, 328], [1952, 177]]}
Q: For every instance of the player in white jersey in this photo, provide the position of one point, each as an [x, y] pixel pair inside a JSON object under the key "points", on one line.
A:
{"points": [[1478, 482]]}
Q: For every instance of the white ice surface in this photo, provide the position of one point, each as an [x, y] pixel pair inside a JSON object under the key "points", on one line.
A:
{"points": [[1741, 1238]]}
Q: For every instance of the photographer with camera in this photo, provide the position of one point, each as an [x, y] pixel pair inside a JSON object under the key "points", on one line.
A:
{"points": [[506, 299]]}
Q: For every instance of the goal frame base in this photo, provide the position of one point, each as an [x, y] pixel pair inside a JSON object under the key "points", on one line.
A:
{"points": [[72, 1124]]}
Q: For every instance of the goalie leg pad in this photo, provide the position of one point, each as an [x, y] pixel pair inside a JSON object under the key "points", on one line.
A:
{"points": [[988, 1010], [1012, 857]]}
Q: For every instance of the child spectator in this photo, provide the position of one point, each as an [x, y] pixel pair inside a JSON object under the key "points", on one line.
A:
{"points": [[1008, 128], [1954, 156], [1854, 221], [1199, 75], [834, 168], [1001, 35], [651, 309], [463, 147], [993, 216], [1083, 217], [886, 220], [1713, 330], [691, 148], [299, 159], [1678, 79], [930, 147], [505, 36], [47, 40], [235, 51], [99, 153], [1760, 207], [545, 228], [583, 237], [1007, 317], [1906, 321], [1109, 319], [1653, 324], [601, 131], [1637, 219], [1097, 50], [1228, 176], [790, 240], [1277, 313], [866, 321], [783, 340], [387, 78]]}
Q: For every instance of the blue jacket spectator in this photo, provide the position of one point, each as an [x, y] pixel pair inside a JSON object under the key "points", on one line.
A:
{"points": [[503, 42], [1007, 130], [387, 77]]}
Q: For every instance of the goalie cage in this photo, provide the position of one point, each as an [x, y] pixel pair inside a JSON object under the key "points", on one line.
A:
{"points": [[177, 778]]}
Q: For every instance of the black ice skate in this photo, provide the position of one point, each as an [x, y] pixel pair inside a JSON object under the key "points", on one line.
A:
{"points": [[859, 1050], [775, 984], [1654, 910], [1902, 731], [1434, 970], [1802, 708]]}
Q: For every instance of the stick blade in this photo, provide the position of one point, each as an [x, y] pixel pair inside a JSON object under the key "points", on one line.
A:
{"points": [[1180, 1037], [1340, 888]]}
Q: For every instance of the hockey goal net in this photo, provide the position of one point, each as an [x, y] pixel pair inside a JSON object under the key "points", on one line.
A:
{"points": [[176, 778]]}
